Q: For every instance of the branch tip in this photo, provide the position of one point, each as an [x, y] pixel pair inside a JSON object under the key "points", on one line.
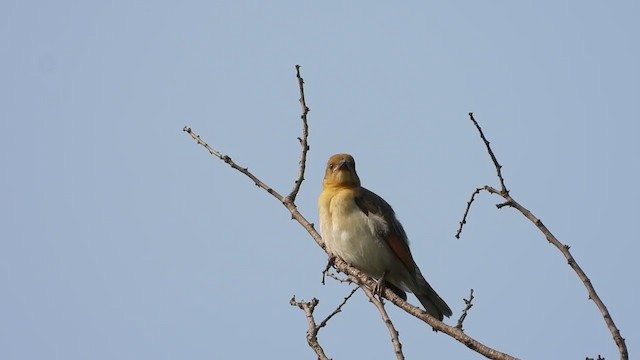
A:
{"points": [[466, 211], [303, 140], [465, 311]]}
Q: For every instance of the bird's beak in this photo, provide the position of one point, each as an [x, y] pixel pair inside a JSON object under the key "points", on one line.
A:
{"points": [[342, 165]]}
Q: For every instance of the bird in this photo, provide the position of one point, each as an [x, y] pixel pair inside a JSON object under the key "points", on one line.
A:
{"points": [[362, 229]]}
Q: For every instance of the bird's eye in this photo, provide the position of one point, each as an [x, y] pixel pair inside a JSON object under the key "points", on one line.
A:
{"points": [[330, 166]]}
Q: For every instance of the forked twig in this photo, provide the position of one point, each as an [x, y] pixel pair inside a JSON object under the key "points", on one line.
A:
{"points": [[312, 333], [564, 249], [308, 307], [465, 311]]}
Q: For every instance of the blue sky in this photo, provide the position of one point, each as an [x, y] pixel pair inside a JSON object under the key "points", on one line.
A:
{"points": [[120, 238]]}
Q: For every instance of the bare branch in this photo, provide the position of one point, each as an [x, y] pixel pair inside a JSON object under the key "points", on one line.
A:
{"points": [[593, 295], [452, 331], [599, 358], [339, 279], [466, 211], [466, 309], [493, 156], [356, 275], [288, 204], [564, 249], [395, 336], [313, 328], [312, 332], [338, 309], [231, 163], [327, 268], [303, 140]]}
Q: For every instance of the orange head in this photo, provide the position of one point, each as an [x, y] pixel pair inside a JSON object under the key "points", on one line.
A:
{"points": [[341, 172]]}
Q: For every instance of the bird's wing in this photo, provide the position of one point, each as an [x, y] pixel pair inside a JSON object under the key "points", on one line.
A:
{"points": [[394, 234]]}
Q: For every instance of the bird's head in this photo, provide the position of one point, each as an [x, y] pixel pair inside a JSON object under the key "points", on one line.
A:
{"points": [[341, 172]]}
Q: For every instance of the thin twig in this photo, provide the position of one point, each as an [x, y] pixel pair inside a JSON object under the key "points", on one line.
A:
{"points": [[466, 211], [599, 358], [303, 140], [493, 156], [468, 306], [338, 309], [288, 204], [327, 268], [564, 249], [395, 336], [312, 332], [231, 163], [339, 279]]}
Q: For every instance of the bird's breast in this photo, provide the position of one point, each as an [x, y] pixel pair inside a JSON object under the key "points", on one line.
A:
{"points": [[354, 236]]}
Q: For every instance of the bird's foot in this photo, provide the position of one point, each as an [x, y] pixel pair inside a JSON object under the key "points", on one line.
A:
{"points": [[380, 286]]}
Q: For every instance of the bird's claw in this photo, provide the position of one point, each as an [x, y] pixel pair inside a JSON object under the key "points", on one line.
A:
{"points": [[380, 286]]}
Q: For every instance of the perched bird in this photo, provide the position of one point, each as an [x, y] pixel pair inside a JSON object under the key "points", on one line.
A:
{"points": [[362, 229]]}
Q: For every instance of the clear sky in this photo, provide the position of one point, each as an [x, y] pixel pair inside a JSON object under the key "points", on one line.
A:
{"points": [[120, 238]]}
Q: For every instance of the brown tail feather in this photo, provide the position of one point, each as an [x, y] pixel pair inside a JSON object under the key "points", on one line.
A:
{"points": [[431, 301]]}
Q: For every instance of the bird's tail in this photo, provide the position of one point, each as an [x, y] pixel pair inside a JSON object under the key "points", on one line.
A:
{"points": [[431, 301]]}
